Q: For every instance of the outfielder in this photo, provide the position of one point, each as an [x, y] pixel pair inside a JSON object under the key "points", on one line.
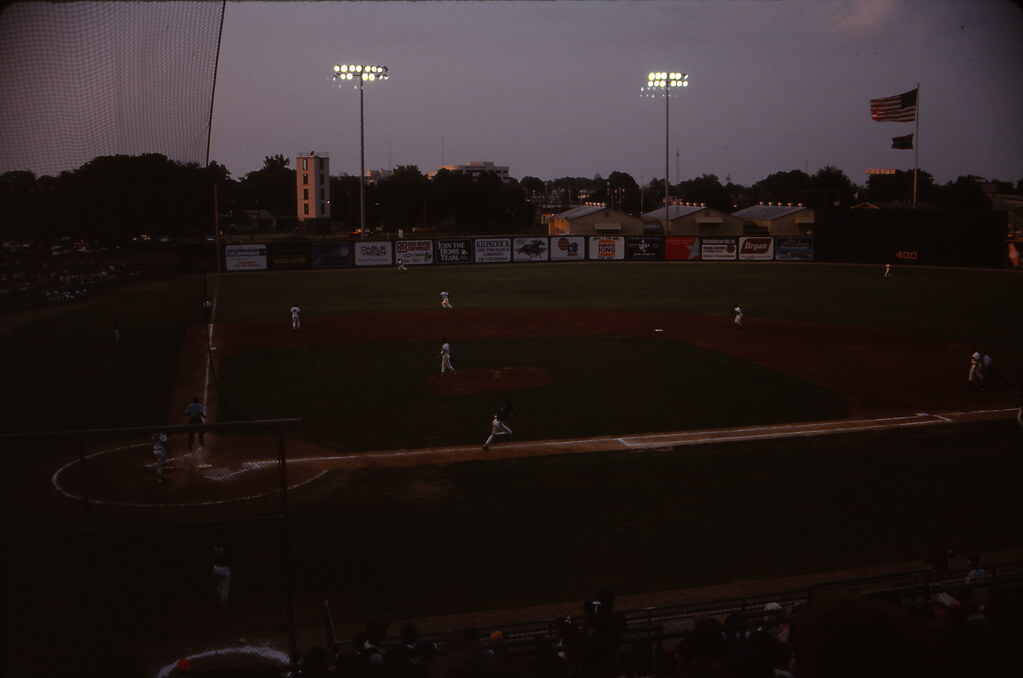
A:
{"points": [[296, 318], [887, 275], [498, 427], [445, 357], [401, 265], [444, 301], [738, 316]]}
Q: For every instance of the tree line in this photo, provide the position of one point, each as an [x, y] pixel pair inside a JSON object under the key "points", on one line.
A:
{"points": [[113, 198]]}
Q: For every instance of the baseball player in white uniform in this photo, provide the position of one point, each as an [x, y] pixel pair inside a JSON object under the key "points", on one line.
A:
{"points": [[445, 357], [498, 427], [296, 318], [160, 453], [738, 316], [444, 301], [887, 272], [401, 265]]}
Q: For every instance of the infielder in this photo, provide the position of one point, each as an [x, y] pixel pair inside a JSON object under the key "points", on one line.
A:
{"points": [[445, 357], [160, 452], [296, 318], [444, 301], [498, 427], [738, 316]]}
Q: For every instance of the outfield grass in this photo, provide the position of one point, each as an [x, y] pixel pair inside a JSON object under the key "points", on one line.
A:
{"points": [[975, 305]]}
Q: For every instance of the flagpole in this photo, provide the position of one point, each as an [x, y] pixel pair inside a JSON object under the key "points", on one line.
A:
{"points": [[916, 143]]}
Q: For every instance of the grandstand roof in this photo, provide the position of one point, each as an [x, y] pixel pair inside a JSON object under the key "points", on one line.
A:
{"points": [[768, 212], [581, 211], [674, 211]]}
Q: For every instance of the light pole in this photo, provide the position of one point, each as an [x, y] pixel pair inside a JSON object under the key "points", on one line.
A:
{"points": [[363, 74], [654, 83]]}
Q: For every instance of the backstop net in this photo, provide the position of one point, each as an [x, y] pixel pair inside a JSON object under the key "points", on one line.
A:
{"points": [[81, 80]]}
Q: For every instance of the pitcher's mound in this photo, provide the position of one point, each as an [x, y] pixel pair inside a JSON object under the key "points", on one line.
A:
{"points": [[495, 379]]}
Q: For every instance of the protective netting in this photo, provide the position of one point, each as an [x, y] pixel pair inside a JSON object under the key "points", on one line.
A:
{"points": [[81, 80]]}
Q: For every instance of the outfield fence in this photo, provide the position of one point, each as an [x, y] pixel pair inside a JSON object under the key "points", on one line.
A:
{"points": [[382, 252]]}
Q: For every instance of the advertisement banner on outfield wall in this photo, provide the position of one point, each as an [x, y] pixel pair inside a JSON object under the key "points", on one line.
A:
{"points": [[492, 250], [332, 254], [682, 248], [568, 248], [530, 249], [373, 253], [414, 252], [289, 255], [453, 251], [607, 247], [756, 248], [718, 249], [245, 257], [644, 248], [793, 249]]}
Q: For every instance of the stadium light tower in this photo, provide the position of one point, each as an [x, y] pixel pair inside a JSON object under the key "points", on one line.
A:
{"points": [[362, 74], [655, 84]]}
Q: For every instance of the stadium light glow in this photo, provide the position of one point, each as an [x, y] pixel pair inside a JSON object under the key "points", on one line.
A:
{"points": [[362, 73], [657, 83]]}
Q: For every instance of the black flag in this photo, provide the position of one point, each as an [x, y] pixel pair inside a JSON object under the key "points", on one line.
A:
{"points": [[903, 143]]}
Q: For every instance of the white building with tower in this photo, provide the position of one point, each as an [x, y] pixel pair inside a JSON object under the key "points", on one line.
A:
{"points": [[312, 184]]}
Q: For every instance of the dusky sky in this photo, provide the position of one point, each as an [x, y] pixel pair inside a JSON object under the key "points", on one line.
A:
{"points": [[553, 89]]}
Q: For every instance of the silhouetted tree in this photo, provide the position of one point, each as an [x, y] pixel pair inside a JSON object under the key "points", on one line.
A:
{"points": [[788, 186], [706, 189]]}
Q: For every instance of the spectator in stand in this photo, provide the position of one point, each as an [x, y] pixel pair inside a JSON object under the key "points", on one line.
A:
{"points": [[603, 629], [847, 636], [702, 650], [410, 656]]}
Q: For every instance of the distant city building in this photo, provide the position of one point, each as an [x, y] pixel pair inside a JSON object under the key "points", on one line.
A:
{"points": [[312, 179], [474, 170]]}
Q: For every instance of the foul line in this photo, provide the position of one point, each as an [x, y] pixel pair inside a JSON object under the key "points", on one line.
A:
{"points": [[686, 438]]}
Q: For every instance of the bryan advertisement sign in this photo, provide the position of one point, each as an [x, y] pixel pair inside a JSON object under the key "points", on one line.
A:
{"points": [[245, 257], [607, 247], [529, 249], [756, 248], [568, 248], [414, 252]]}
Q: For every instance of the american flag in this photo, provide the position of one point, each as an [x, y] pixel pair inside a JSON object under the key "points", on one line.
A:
{"points": [[899, 108]]}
